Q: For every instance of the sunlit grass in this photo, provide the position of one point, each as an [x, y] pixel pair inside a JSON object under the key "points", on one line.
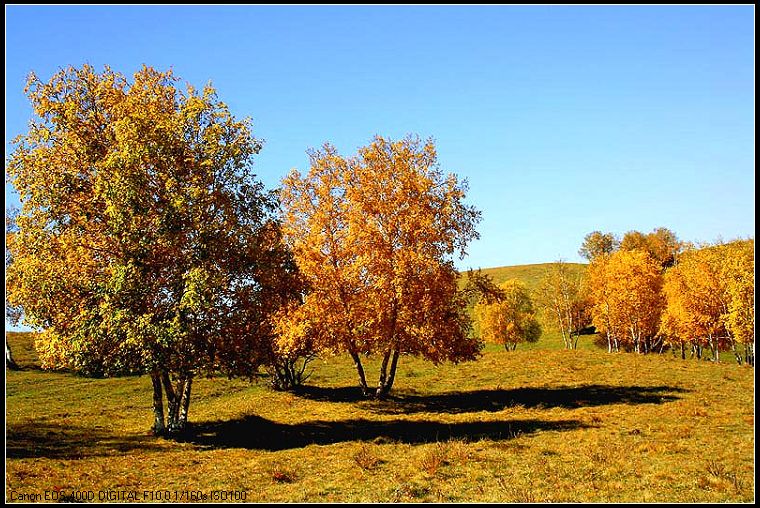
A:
{"points": [[530, 275], [533, 425]]}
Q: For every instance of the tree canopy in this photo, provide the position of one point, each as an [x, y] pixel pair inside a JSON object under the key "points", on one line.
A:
{"points": [[597, 243], [375, 235], [145, 244], [626, 292]]}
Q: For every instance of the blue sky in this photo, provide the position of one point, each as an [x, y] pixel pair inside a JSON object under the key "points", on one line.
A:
{"points": [[563, 119]]}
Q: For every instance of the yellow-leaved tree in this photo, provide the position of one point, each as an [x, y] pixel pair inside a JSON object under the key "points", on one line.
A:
{"points": [[374, 235], [511, 320], [597, 243], [661, 244], [696, 302], [738, 269], [144, 243], [625, 288], [710, 300]]}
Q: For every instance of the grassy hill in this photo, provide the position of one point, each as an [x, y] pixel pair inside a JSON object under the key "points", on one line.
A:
{"points": [[522, 426], [530, 275]]}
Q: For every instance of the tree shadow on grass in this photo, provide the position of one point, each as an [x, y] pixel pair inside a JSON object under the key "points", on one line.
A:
{"points": [[496, 400], [43, 439], [253, 432]]}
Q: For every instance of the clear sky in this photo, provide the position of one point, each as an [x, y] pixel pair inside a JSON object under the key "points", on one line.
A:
{"points": [[563, 119]]}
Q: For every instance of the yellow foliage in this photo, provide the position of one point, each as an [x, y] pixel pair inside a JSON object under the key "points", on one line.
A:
{"points": [[626, 290], [710, 296], [374, 236], [512, 319], [144, 240]]}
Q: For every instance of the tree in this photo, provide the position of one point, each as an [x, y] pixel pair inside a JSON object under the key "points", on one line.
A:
{"points": [[560, 297], [10, 363], [597, 243], [510, 320], [738, 270], [626, 293], [480, 288], [710, 299], [374, 236], [661, 244], [145, 243], [12, 313]]}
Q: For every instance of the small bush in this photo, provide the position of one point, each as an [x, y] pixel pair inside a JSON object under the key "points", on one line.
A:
{"points": [[282, 474], [434, 458], [365, 459]]}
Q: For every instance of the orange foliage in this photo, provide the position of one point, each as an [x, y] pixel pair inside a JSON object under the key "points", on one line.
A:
{"points": [[625, 289], [510, 320], [374, 235]]}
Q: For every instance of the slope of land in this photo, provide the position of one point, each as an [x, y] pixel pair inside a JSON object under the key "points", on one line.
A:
{"points": [[530, 275]]}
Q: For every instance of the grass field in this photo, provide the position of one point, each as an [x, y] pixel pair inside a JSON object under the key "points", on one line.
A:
{"points": [[534, 425]]}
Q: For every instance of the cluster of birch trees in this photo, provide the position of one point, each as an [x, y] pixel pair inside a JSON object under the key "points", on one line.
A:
{"points": [[650, 292]]}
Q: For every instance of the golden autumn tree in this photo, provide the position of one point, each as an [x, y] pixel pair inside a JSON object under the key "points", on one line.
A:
{"points": [[626, 293], [144, 244], [738, 270], [511, 320], [661, 244], [710, 299], [375, 235], [696, 302], [597, 243]]}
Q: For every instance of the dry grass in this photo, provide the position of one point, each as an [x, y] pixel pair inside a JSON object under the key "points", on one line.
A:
{"points": [[524, 426]]}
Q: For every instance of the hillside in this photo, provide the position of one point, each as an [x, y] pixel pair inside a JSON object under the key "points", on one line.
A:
{"points": [[531, 275]]}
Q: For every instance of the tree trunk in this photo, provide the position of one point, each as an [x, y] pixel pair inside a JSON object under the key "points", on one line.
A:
{"points": [[683, 350], [561, 322], [360, 371], [714, 347], [178, 402], [383, 390], [185, 404], [736, 353], [383, 373], [392, 373], [9, 362], [159, 428], [171, 402]]}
